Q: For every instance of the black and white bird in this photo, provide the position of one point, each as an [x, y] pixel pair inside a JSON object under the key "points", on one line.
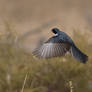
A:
{"points": [[59, 45]]}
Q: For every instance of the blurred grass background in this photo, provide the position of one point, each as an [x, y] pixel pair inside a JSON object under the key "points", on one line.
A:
{"points": [[24, 24]]}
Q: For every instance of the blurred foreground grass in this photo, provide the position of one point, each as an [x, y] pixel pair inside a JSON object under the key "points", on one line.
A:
{"points": [[51, 75]]}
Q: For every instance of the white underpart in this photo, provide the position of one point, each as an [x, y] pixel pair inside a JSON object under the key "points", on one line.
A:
{"points": [[55, 34]]}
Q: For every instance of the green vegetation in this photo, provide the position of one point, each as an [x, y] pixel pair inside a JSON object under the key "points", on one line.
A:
{"points": [[21, 72]]}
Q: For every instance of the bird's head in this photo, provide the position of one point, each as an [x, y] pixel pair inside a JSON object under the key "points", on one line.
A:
{"points": [[55, 30]]}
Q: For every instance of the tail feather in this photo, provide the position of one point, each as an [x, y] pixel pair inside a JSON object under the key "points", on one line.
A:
{"points": [[77, 54]]}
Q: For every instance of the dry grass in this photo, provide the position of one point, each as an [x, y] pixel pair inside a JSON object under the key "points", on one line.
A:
{"points": [[21, 72], [32, 19]]}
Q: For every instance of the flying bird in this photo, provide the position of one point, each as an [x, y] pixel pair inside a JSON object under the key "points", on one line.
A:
{"points": [[58, 45]]}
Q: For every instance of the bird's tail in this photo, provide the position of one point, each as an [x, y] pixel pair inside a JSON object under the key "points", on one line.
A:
{"points": [[77, 54]]}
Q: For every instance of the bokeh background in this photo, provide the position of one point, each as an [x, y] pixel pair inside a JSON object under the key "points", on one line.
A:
{"points": [[25, 24]]}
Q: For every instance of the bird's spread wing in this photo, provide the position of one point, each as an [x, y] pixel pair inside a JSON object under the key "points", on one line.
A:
{"points": [[54, 47]]}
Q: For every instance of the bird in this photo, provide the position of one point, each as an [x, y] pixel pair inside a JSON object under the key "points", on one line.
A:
{"points": [[59, 45]]}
